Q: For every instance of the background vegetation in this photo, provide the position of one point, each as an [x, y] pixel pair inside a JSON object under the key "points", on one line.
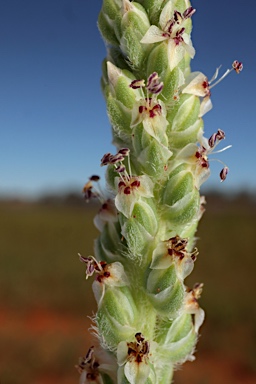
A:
{"points": [[45, 299]]}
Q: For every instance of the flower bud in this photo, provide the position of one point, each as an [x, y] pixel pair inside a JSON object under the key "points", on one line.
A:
{"points": [[184, 124], [134, 25], [178, 185], [177, 339], [184, 211], [116, 316], [106, 244], [120, 118], [119, 82], [165, 291], [153, 7], [106, 27], [111, 8], [174, 330], [182, 350], [154, 158], [180, 196], [137, 238]]}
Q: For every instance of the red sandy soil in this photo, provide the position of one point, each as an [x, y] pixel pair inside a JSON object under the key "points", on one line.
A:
{"points": [[38, 320], [208, 368], [213, 369]]}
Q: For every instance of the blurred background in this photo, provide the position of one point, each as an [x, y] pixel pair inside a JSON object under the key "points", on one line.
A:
{"points": [[54, 131]]}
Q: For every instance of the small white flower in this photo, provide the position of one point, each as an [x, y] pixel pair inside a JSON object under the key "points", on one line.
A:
{"points": [[172, 31], [173, 251], [112, 275], [152, 113], [198, 160], [192, 306], [107, 213], [130, 190], [90, 367], [197, 156], [149, 110], [198, 84], [135, 357]]}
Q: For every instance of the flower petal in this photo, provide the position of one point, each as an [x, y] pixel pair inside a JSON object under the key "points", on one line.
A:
{"points": [[206, 106], [175, 53], [117, 276], [122, 352], [153, 35], [125, 203], [199, 318], [136, 373], [160, 257], [98, 291], [188, 45], [166, 14], [153, 125], [194, 84], [146, 186], [184, 267]]}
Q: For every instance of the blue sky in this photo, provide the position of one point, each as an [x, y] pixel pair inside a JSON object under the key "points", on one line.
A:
{"points": [[53, 123]]}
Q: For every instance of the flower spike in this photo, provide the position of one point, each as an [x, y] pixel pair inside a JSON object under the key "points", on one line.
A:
{"points": [[147, 321]]}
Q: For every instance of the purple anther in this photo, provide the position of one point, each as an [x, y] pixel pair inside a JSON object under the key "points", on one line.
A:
{"points": [[188, 12], [120, 169], [154, 84], [124, 151], [223, 173], [116, 158], [94, 178], [106, 159], [238, 66], [177, 17], [135, 84]]}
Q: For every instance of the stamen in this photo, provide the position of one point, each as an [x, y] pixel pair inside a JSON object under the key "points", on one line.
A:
{"points": [[178, 37], [120, 168], [94, 178], [154, 85], [138, 351], [116, 158], [87, 190], [177, 17], [168, 28], [135, 183], [129, 164], [223, 173], [237, 66], [92, 265], [89, 364], [127, 190], [197, 290], [124, 151], [106, 159], [90, 191], [194, 254], [216, 137], [221, 150], [188, 12], [135, 84]]}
